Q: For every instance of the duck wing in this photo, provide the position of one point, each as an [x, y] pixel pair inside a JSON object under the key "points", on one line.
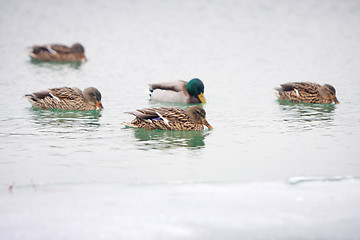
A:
{"points": [[52, 48], [66, 92], [37, 96], [61, 49], [174, 91], [37, 49], [307, 87], [163, 113], [176, 86], [172, 114], [147, 113]]}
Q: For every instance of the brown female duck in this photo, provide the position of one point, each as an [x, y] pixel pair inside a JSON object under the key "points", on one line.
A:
{"points": [[307, 92], [168, 118], [66, 98], [58, 53]]}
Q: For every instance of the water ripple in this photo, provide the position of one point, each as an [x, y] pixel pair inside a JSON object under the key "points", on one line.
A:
{"points": [[303, 179], [307, 116]]}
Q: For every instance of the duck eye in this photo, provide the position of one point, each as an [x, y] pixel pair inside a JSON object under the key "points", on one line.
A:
{"points": [[200, 112]]}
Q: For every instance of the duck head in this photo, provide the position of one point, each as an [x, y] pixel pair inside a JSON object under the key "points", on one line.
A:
{"points": [[93, 96], [197, 114], [79, 49], [195, 87], [328, 92]]}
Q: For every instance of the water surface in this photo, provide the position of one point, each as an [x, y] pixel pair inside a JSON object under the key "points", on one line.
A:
{"points": [[241, 50]]}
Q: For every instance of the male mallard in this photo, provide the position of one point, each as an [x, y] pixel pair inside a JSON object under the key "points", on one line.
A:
{"points": [[58, 53], [168, 118], [66, 98], [178, 91], [307, 92]]}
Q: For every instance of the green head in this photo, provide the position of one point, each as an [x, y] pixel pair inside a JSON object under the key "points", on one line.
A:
{"points": [[195, 87]]}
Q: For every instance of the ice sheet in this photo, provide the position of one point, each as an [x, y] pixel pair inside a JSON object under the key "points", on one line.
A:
{"points": [[273, 210]]}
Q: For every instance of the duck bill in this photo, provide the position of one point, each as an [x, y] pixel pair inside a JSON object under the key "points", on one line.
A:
{"points": [[99, 105], [335, 100], [83, 57], [202, 98], [205, 123]]}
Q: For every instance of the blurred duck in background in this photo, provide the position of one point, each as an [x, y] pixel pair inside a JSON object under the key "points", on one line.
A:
{"points": [[58, 53]]}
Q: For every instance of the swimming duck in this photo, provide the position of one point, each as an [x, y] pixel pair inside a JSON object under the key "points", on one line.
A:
{"points": [[178, 91], [307, 92], [66, 98], [58, 53], [168, 118]]}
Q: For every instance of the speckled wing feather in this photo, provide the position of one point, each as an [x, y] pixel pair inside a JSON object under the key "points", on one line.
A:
{"points": [[66, 93], [300, 92], [165, 118], [171, 114], [308, 87]]}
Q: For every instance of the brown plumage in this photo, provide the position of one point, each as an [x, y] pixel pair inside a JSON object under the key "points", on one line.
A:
{"points": [[307, 92], [168, 118], [58, 53], [66, 98]]}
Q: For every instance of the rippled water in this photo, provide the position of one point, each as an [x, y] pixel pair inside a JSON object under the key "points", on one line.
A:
{"points": [[241, 50]]}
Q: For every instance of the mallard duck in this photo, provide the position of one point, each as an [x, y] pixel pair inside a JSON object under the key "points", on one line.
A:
{"points": [[66, 98], [168, 118], [58, 53], [178, 91], [307, 92]]}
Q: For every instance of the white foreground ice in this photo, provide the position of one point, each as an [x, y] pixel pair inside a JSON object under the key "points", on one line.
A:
{"points": [[275, 210]]}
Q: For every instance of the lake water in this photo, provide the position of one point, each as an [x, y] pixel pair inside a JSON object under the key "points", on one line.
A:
{"points": [[281, 168]]}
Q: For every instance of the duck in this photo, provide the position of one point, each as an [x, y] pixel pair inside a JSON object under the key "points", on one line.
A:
{"points": [[58, 53], [169, 118], [178, 91], [307, 92], [66, 98]]}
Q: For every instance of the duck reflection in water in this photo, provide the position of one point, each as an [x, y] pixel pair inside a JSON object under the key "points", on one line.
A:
{"points": [[55, 118], [307, 115], [160, 139], [55, 65]]}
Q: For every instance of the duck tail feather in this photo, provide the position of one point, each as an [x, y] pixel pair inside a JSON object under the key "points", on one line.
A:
{"points": [[31, 97], [287, 87]]}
